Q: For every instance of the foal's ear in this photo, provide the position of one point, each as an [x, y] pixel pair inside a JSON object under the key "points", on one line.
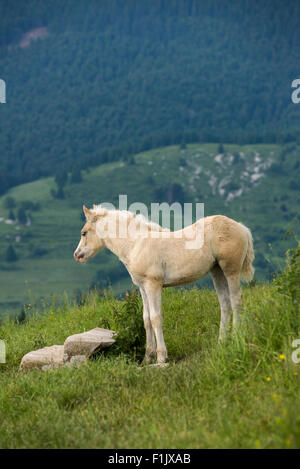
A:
{"points": [[91, 216], [88, 213]]}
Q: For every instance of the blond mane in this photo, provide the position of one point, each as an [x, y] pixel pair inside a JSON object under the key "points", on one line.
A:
{"points": [[125, 214]]}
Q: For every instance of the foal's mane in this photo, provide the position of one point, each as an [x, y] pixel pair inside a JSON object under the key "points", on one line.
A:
{"points": [[125, 214]]}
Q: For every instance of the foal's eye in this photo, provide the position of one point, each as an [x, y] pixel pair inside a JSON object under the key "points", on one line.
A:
{"points": [[83, 233]]}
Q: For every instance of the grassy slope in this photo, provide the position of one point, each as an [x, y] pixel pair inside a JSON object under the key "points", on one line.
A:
{"points": [[56, 226], [239, 395]]}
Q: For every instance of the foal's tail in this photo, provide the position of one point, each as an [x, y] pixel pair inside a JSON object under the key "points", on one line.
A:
{"points": [[247, 270]]}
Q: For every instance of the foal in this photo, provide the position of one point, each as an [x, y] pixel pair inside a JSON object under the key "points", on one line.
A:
{"points": [[156, 257]]}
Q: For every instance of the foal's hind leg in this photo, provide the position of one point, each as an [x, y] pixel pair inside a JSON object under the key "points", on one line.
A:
{"points": [[234, 285], [235, 292], [221, 286]]}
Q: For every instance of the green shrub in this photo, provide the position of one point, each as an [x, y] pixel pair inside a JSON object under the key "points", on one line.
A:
{"points": [[11, 215], [9, 202], [22, 217], [221, 148], [29, 205], [76, 175], [21, 317], [288, 283], [294, 185], [232, 186], [127, 321], [10, 255]]}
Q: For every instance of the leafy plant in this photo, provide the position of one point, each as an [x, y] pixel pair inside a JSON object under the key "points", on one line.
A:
{"points": [[127, 321], [9, 202], [221, 148], [288, 283], [21, 318], [10, 255]]}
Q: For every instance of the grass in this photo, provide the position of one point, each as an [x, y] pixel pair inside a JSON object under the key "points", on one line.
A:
{"points": [[243, 394]]}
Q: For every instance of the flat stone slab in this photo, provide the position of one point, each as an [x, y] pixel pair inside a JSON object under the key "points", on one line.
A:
{"points": [[88, 342], [47, 357]]}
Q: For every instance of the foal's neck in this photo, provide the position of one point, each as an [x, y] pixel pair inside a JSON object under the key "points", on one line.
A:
{"points": [[121, 247], [118, 241]]}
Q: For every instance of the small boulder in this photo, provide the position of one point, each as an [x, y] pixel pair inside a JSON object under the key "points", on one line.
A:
{"points": [[75, 351], [47, 357], [87, 343], [76, 360]]}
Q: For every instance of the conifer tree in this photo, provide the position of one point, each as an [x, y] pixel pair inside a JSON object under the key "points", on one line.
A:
{"points": [[10, 255]]}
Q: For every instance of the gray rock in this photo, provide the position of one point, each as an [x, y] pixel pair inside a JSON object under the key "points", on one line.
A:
{"points": [[47, 357], [76, 360], [75, 351], [88, 342]]}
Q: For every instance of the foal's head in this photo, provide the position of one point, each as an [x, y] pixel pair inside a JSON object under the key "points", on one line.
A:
{"points": [[89, 243]]}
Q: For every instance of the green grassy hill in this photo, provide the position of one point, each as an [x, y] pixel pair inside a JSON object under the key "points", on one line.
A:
{"points": [[255, 184], [243, 394]]}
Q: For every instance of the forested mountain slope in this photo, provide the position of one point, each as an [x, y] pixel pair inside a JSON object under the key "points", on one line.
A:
{"points": [[110, 78]]}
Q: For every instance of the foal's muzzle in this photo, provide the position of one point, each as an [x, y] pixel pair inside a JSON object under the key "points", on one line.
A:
{"points": [[79, 258]]}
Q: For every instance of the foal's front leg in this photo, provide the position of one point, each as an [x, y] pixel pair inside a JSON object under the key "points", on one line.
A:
{"points": [[150, 338], [153, 293]]}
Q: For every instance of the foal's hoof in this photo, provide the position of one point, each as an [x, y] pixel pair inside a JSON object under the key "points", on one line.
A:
{"points": [[223, 338], [159, 365], [149, 358]]}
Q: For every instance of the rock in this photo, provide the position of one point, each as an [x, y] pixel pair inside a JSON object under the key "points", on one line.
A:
{"points": [[76, 360], [50, 357], [88, 342], [75, 350]]}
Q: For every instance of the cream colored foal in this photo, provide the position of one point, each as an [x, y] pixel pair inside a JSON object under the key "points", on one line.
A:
{"points": [[156, 257]]}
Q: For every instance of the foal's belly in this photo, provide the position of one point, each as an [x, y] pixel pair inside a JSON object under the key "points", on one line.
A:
{"points": [[171, 280], [186, 269], [182, 281]]}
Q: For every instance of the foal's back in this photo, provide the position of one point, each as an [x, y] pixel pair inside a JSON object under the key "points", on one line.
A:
{"points": [[172, 261]]}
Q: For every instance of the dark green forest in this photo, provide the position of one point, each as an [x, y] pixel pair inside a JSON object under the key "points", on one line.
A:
{"points": [[113, 78]]}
